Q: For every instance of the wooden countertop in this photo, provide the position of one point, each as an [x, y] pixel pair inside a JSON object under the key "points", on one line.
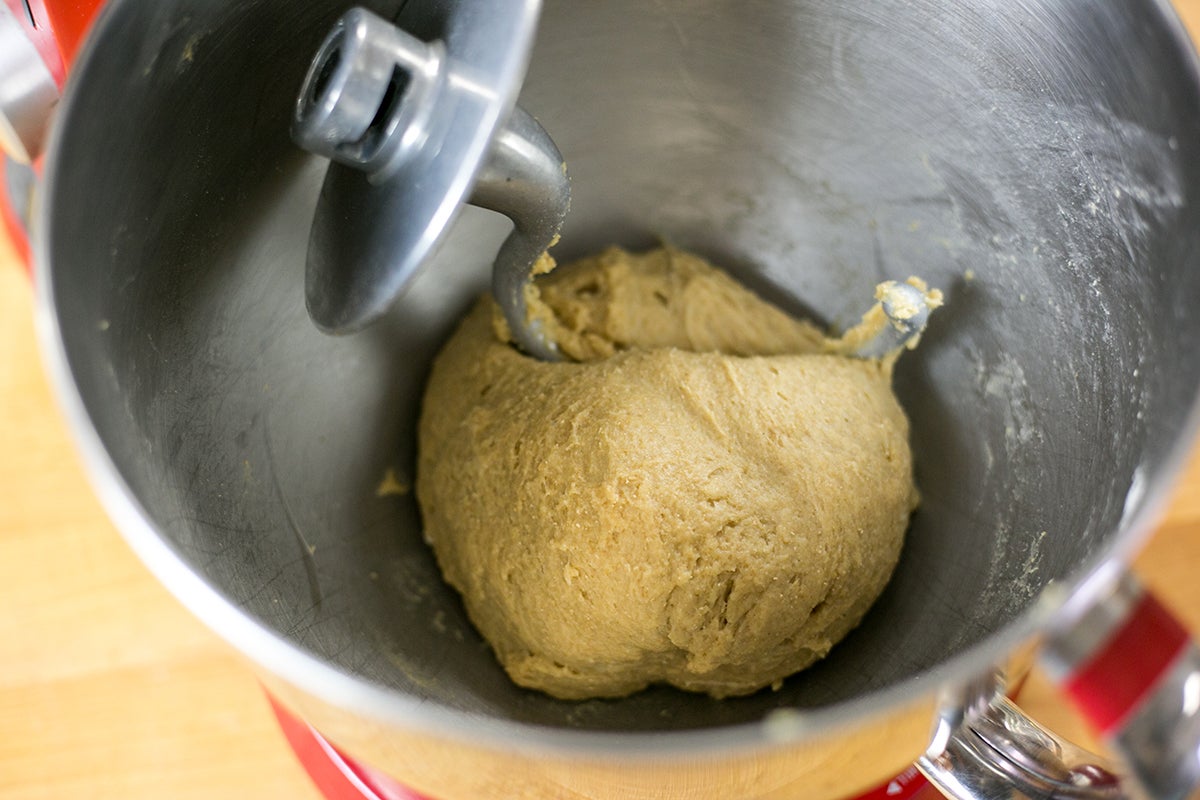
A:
{"points": [[110, 689]]}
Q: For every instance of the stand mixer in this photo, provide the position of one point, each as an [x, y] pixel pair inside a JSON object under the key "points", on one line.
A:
{"points": [[832, 140]]}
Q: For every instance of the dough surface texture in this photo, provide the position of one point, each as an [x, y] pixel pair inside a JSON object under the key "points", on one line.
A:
{"points": [[705, 497]]}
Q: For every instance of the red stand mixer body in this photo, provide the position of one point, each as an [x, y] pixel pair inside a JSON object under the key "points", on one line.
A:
{"points": [[52, 31]]}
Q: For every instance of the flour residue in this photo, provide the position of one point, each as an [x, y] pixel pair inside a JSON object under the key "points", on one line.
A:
{"points": [[1004, 390], [1003, 382]]}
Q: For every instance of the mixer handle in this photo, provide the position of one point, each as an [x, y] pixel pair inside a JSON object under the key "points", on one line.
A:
{"points": [[1128, 666]]}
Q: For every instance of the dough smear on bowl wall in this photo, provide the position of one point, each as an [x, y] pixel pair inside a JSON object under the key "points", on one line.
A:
{"points": [[709, 494]]}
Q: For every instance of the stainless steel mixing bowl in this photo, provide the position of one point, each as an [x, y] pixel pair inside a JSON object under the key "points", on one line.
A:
{"points": [[1038, 161]]}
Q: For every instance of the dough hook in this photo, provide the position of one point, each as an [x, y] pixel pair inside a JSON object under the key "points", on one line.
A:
{"points": [[905, 308], [415, 128]]}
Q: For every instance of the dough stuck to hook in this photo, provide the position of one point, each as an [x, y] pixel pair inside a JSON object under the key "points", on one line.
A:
{"points": [[894, 323]]}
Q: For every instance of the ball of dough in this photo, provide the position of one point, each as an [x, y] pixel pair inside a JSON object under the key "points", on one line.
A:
{"points": [[707, 499]]}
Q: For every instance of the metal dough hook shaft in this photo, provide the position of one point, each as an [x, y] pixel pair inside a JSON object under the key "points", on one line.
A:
{"points": [[526, 180]]}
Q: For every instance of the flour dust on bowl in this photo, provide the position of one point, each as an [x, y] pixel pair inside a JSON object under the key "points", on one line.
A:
{"points": [[1038, 162]]}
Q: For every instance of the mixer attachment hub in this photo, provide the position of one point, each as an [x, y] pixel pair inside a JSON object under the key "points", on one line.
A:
{"points": [[414, 129]]}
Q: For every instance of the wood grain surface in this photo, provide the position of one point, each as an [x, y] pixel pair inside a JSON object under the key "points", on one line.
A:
{"points": [[110, 689]]}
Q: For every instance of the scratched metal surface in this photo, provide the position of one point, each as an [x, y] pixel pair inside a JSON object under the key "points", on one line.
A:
{"points": [[1038, 161]]}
